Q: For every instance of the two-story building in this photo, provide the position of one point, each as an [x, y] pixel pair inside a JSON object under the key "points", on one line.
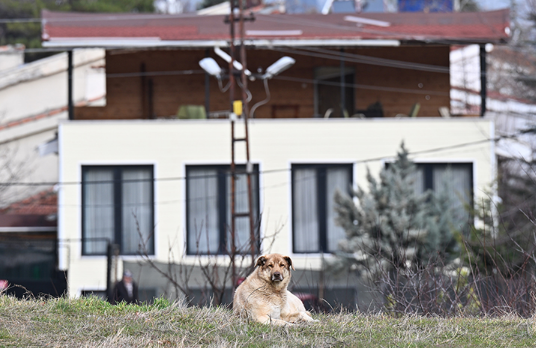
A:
{"points": [[135, 174]]}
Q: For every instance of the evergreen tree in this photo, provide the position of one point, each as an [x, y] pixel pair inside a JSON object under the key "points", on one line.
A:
{"points": [[393, 226], [503, 240], [209, 3], [469, 6], [447, 217]]}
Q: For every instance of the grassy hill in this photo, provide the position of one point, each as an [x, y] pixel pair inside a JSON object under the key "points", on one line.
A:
{"points": [[90, 322]]}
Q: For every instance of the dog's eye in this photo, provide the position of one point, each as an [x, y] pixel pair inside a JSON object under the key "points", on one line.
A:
{"points": [[271, 266]]}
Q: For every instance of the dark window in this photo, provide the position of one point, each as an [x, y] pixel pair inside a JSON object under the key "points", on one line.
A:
{"points": [[456, 179], [313, 213], [117, 206], [208, 209], [328, 95]]}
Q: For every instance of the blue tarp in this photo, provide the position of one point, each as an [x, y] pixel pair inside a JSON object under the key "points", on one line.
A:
{"points": [[425, 5]]}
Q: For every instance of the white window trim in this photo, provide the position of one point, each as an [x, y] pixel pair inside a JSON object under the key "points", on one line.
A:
{"points": [[78, 245], [220, 259], [453, 160], [290, 243]]}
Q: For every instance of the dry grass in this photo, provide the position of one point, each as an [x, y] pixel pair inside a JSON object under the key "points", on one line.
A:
{"points": [[90, 322]]}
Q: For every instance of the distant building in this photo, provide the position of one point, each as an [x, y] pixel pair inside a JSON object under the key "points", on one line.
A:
{"points": [[29, 246], [33, 99], [510, 103]]}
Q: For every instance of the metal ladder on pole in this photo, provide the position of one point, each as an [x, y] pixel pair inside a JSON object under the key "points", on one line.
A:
{"points": [[253, 236]]}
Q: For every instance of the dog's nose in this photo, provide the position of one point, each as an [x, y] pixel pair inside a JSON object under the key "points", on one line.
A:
{"points": [[277, 276]]}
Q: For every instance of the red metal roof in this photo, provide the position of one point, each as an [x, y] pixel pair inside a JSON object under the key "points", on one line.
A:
{"points": [[491, 26], [39, 210], [42, 203]]}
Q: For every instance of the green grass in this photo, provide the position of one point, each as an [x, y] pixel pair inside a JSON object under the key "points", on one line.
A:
{"points": [[90, 322]]}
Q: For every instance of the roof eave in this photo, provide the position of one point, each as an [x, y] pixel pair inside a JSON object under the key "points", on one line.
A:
{"points": [[118, 43], [157, 43], [454, 41]]}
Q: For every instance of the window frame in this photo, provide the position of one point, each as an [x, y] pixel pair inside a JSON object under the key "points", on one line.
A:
{"points": [[321, 209], [428, 181], [428, 173], [118, 206], [222, 170]]}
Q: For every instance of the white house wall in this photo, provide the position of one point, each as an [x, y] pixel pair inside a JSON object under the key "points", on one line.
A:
{"points": [[170, 145], [42, 85]]}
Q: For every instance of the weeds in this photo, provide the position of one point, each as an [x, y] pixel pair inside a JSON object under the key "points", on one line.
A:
{"points": [[90, 322]]}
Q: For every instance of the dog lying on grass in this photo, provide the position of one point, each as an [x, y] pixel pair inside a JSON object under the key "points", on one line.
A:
{"points": [[263, 295]]}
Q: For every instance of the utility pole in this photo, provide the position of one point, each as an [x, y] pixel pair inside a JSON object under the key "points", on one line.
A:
{"points": [[483, 80], [70, 107], [245, 111], [249, 165], [233, 167]]}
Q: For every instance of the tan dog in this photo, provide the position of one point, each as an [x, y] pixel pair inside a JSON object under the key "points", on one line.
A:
{"points": [[264, 297]]}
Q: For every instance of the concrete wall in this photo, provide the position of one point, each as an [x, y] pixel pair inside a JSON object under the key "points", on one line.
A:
{"points": [[171, 145]]}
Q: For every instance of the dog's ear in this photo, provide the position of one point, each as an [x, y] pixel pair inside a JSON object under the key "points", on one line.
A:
{"points": [[261, 261], [289, 260]]}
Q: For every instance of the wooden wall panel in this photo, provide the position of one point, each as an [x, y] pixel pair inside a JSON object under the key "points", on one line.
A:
{"points": [[292, 94]]}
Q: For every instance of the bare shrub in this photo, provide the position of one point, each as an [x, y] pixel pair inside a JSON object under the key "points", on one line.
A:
{"points": [[215, 269], [477, 284]]}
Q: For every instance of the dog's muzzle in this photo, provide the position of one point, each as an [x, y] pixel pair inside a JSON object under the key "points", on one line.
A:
{"points": [[277, 277]]}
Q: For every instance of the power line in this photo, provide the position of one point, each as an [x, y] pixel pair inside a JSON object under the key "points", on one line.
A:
{"points": [[335, 56], [358, 58], [157, 73], [293, 79], [241, 192], [377, 61], [175, 201], [328, 54], [369, 87], [270, 171], [215, 196]]}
